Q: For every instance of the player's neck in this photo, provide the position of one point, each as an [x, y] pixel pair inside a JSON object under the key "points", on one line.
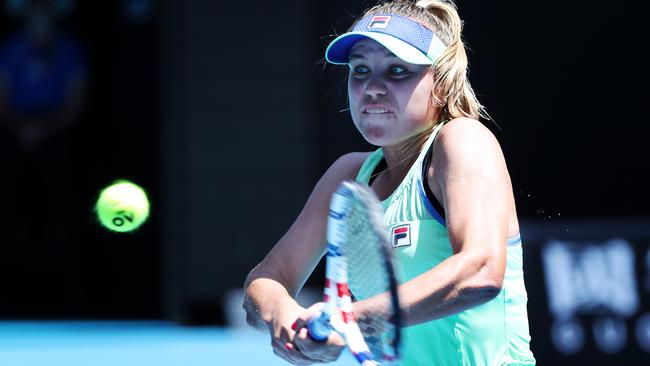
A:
{"points": [[397, 166], [399, 158]]}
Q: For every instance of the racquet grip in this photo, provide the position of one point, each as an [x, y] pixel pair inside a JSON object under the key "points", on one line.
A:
{"points": [[319, 327]]}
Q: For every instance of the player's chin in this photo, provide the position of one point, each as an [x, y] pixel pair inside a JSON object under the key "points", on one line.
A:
{"points": [[375, 135], [381, 141]]}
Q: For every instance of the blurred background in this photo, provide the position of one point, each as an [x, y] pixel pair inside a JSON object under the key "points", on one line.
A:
{"points": [[227, 115]]}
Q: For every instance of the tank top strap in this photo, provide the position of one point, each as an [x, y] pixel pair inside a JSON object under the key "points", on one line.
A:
{"points": [[429, 142], [369, 166], [416, 169]]}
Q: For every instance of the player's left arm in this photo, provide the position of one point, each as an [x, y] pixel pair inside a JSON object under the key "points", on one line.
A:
{"points": [[469, 175]]}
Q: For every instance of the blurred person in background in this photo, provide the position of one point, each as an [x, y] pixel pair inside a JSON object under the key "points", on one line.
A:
{"points": [[43, 77]]}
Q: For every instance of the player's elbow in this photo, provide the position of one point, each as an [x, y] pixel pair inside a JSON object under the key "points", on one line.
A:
{"points": [[487, 281], [482, 289], [491, 283], [488, 291]]}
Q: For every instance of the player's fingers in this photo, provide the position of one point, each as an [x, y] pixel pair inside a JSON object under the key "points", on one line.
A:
{"points": [[318, 351], [310, 312], [308, 346], [291, 355], [283, 347], [281, 335], [284, 356]]}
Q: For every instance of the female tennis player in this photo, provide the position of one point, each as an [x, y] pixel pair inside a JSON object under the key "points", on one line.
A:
{"points": [[447, 196]]}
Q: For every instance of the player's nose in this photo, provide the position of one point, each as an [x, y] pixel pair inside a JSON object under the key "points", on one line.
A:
{"points": [[376, 86]]}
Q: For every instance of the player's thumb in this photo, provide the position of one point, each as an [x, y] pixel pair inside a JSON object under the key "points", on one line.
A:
{"points": [[309, 314]]}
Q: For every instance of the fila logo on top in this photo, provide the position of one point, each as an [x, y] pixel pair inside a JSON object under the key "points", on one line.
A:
{"points": [[379, 22], [401, 236]]}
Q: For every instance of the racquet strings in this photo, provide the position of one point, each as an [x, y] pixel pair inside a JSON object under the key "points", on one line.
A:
{"points": [[371, 272]]}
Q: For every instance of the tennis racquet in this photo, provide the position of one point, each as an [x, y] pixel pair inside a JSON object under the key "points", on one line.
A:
{"points": [[359, 265]]}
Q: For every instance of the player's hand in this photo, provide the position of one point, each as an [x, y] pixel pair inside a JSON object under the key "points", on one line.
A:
{"points": [[283, 332], [322, 352]]}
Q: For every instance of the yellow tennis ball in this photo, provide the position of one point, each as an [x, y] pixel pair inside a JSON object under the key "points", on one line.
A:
{"points": [[122, 206]]}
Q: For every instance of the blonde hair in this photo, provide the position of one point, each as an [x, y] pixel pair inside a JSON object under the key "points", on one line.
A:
{"points": [[452, 90]]}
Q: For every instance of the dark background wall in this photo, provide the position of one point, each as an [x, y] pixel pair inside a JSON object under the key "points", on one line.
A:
{"points": [[227, 115], [244, 141], [56, 261]]}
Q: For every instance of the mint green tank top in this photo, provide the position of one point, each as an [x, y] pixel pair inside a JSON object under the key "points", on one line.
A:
{"points": [[494, 333]]}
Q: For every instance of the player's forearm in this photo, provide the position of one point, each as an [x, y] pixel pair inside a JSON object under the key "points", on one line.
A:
{"points": [[263, 296], [458, 283]]}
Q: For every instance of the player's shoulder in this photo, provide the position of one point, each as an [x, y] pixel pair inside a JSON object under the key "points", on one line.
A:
{"points": [[465, 133], [353, 158], [464, 128], [347, 166]]}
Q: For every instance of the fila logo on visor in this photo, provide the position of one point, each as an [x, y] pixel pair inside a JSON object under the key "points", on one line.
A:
{"points": [[379, 22], [401, 236]]}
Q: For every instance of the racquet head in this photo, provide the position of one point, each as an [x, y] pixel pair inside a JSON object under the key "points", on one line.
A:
{"points": [[371, 272], [360, 267]]}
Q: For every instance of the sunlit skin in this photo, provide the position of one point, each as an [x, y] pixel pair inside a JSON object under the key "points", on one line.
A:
{"points": [[390, 104], [390, 100]]}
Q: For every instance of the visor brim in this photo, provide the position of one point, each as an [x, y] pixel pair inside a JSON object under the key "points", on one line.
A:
{"points": [[338, 51]]}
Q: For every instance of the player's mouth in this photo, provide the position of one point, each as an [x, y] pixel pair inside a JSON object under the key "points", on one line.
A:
{"points": [[375, 109]]}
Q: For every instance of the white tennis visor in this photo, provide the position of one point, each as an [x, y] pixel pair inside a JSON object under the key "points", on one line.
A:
{"points": [[405, 38]]}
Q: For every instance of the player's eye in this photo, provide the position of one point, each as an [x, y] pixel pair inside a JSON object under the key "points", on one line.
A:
{"points": [[397, 71], [359, 71]]}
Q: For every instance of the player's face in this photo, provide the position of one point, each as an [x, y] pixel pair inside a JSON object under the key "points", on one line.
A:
{"points": [[390, 100]]}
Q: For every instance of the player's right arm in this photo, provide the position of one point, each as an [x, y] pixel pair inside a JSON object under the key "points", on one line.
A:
{"points": [[271, 286]]}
